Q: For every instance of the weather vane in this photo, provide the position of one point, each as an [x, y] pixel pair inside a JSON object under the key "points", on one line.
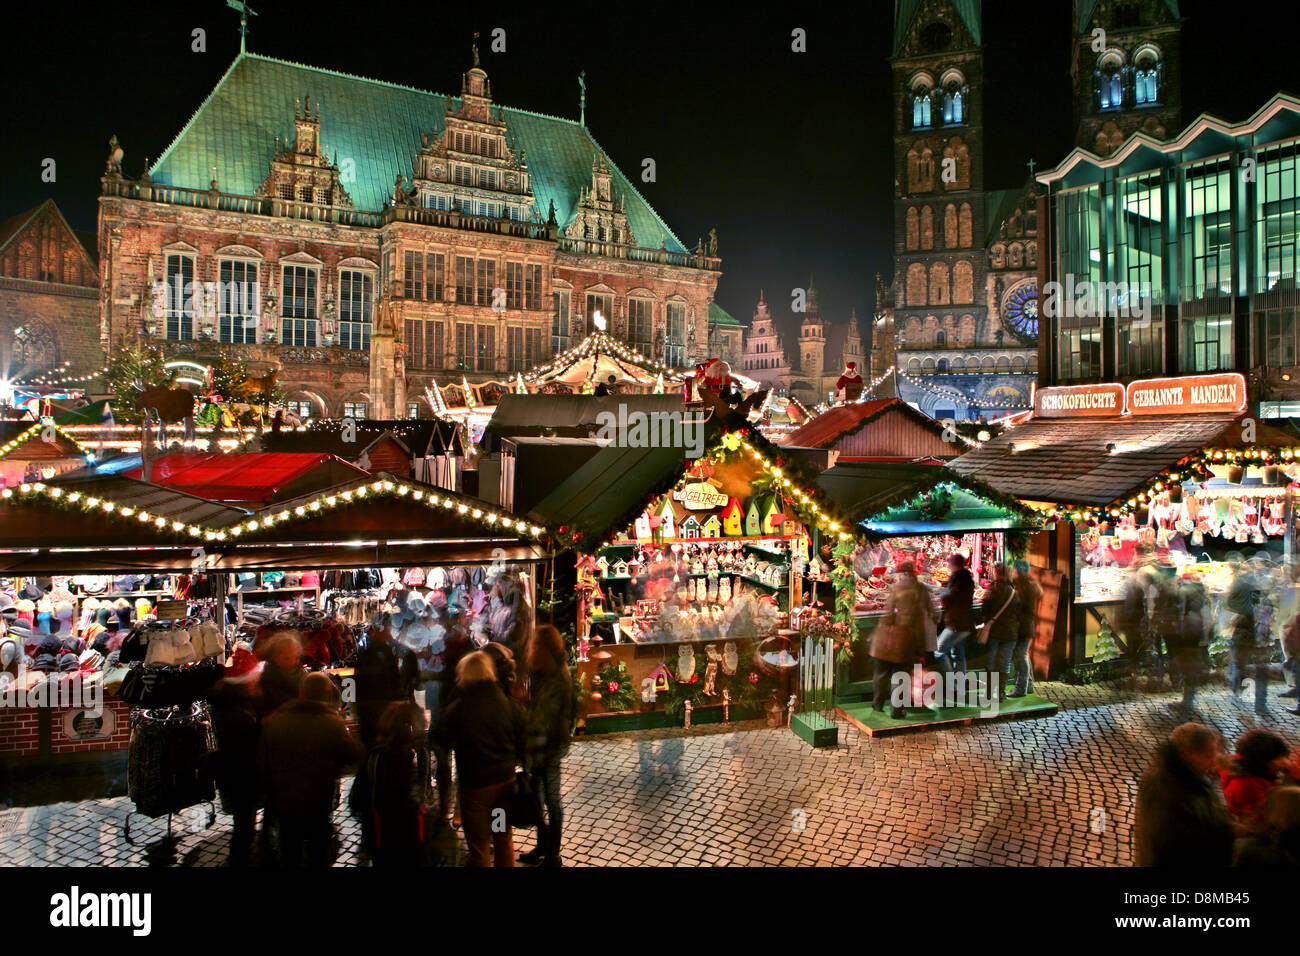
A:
{"points": [[245, 11]]}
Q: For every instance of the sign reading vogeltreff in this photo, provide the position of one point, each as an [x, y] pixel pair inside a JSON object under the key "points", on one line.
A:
{"points": [[1079, 401], [1191, 394]]}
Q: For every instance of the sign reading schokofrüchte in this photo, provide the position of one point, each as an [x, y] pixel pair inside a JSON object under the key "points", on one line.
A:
{"points": [[1192, 394], [1079, 401]]}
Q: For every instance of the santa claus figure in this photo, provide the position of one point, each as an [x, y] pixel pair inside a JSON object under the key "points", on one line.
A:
{"points": [[849, 385], [717, 380]]}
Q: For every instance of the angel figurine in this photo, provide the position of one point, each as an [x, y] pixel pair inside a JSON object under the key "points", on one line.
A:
{"points": [[711, 669]]}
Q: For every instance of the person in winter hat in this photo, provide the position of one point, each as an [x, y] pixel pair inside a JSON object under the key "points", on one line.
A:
{"points": [[1261, 758], [848, 387]]}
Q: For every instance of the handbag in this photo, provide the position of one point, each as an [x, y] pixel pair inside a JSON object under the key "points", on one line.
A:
{"points": [[984, 630], [524, 800]]}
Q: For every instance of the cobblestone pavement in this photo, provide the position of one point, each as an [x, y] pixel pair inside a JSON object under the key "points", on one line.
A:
{"points": [[1054, 791]]}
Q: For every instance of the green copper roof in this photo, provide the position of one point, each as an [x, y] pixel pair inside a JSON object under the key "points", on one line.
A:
{"points": [[720, 316], [905, 12], [378, 126], [1087, 8]]}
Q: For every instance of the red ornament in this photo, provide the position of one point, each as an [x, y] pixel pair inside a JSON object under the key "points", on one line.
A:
{"points": [[695, 679], [613, 687], [753, 677], [563, 528], [744, 430]]}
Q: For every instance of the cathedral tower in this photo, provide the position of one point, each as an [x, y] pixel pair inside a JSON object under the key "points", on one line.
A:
{"points": [[812, 338], [940, 260], [1127, 71]]}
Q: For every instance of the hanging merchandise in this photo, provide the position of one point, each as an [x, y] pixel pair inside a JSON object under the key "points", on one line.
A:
{"points": [[166, 760]]}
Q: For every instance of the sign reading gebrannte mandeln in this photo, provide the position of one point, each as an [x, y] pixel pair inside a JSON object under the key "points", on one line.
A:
{"points": [[1191, 394], [1079, 401], [700, 496]]}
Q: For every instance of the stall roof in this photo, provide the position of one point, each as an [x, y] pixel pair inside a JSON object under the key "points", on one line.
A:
{"points": [[255, 478], [843, 420], [31, 442], [572, 415], [863, 490], [609, 490], [1065, 461], [420, 436]]}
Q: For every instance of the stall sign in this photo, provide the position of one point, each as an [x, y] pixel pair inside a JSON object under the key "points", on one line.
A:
{"points": [[700, 496], [171, 610], [1080, 401], [1188, 395]]}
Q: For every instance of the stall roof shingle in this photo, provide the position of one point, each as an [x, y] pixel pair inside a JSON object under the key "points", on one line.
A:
{"points": [[1065, 460]]}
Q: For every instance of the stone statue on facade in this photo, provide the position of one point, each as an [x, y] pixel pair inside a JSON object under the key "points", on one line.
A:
{"points": [[114, 165]]}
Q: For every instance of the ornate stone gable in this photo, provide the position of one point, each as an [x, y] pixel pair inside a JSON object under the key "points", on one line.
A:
{"points": [[301, 171], [598, 218], [471, 165]]}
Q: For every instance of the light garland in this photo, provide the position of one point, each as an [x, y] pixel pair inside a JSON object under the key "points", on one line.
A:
{"points": [[595, 344], [967, 399], [1178, 473], [33, 432], [465, 509]]}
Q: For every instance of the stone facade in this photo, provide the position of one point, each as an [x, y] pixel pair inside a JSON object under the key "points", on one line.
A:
{"points": [[49, 310], [458, 273]]}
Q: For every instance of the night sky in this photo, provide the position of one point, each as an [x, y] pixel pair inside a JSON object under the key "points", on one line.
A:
{"points": [[788, 155]]}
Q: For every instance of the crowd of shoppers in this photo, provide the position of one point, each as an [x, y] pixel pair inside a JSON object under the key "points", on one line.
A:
{"points": [[283, 746]]}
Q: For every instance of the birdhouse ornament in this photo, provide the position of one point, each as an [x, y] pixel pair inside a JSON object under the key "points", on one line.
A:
{"points": [[668, 519], [733, 519]]}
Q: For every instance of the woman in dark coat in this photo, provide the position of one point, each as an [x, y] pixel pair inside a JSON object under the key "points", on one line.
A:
{"points": [[549, 730], [1181, 820], [397, 773], [1002, 607], [486, 730]]}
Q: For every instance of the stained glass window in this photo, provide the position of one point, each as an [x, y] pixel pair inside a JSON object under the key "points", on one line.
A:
{"points": [[1020, 312]]}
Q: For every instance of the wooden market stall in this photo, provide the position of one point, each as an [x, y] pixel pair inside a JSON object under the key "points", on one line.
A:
{"points": [[1175, 474]]}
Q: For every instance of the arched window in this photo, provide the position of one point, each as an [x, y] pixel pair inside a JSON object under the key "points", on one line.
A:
{"points": [[958, 364], [916, 284], [927, 228], [939, 284], [986, 364], [941, 366], [921, 109], [958, 151], [941, 338], [954, 107], [1146, 78], [966, 229], [912, 331], [1004, 364], [928, 365], [914, 365], [1109, 78], [950, 226], [963, 283], [913, 228]]}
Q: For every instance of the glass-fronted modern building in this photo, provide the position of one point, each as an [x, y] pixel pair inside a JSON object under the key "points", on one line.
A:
{"points": [[1176, 257]]}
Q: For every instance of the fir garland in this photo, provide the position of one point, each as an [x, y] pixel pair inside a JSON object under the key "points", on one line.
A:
{"points": [[845, 581], [614, 684]]}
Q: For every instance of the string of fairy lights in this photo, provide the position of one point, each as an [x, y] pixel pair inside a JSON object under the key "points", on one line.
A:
{"points": [[1194, 467], [465, 509], [38, 431], [59, 376], [597, 343], [958, 396]]}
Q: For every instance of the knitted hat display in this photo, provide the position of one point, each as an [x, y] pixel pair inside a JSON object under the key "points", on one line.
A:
{"points": [[46, 657], [104, 614], [122, 608], [8, 611], [27, 611], [31, 591], [310, 579], [68, 661], [243, 661], [43, 619], [143, 606]]}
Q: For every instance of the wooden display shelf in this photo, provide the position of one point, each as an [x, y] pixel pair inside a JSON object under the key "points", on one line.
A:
{"points": [[302, 593]]}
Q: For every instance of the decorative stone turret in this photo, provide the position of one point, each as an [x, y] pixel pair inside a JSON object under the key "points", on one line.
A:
{"points": [[599, 218], [301, 171]]}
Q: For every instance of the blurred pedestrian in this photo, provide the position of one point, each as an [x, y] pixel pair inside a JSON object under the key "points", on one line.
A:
{"points": [[1181, 819], [1027, 594], [386, 671], [397, 774], [551, 714], [1278, 843], [1252, 635], [900, 638], [234, 707], [305, 747], [957, 601], [1187, 636], [1001, 608], [485, 728], [503, 665], [281, 674], [1250, 774]]}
